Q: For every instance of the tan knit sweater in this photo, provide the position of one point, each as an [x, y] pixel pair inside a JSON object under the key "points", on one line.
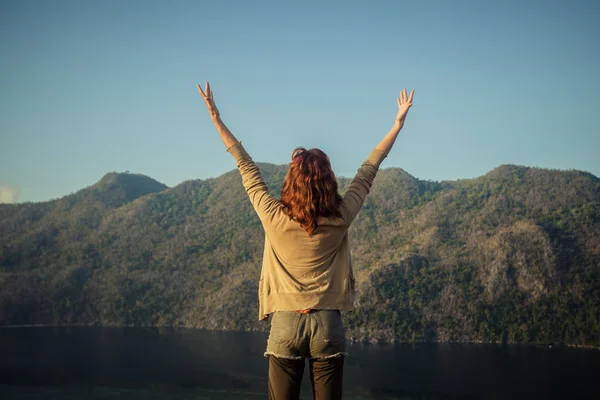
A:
{"points": [[301, 271]]}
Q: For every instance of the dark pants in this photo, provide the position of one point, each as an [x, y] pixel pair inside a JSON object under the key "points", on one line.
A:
{"points": [[285, 377]]}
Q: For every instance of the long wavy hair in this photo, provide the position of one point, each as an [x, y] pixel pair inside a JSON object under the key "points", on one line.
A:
{"points": [[310, 189]]}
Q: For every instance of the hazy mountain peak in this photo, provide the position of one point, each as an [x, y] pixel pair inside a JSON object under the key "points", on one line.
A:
{"points": [[130, 181], [112, 190]]}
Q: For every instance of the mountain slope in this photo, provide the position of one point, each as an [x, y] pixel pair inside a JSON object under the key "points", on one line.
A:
{"points": [[512, 256]]}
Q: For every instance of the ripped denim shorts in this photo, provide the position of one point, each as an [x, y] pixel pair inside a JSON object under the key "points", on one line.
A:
{"points": [[318, 334]]}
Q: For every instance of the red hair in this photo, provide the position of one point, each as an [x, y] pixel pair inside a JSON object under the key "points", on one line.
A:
{"points": [[310, 189]]}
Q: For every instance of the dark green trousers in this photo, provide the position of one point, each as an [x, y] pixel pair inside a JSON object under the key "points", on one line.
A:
{"points": [[285, 378]]}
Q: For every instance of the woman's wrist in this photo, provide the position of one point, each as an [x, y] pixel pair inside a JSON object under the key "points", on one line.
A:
{"points": [[216, 119], [398, 124]]}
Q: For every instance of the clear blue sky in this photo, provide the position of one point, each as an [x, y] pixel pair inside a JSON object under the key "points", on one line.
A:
{"points": [[90, 87]]}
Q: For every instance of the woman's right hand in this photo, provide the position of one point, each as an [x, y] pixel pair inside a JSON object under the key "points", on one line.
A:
{"points": [[210, 101], [404, 103]]}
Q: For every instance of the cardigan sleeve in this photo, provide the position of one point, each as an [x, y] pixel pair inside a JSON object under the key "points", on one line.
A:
{"points": [[360, 186], [264, 204]]}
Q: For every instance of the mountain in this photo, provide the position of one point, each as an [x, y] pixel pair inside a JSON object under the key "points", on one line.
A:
{"points": [[512, 256]]}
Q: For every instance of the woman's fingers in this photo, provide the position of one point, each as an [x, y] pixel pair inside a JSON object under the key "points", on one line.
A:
{"points": [[405, 98], [200, 91], [206, 93]]}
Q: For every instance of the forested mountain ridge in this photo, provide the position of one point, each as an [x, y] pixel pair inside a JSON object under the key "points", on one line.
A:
{"points": [[510, 256]]}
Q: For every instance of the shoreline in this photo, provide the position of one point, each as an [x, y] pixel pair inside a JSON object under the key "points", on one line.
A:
{"points": [[366, 340]]}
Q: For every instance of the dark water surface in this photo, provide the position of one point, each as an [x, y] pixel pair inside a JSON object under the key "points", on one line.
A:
{"points": [[129, 363]]}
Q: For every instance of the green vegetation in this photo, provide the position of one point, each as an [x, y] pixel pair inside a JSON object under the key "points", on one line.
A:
{"points": [[512, 256]]}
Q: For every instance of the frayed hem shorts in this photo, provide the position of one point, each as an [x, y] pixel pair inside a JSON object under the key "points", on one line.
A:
{"points": [[319, 336]]}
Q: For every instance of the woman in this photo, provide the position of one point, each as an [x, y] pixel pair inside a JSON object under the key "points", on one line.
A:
{"points": [[306, 278]]}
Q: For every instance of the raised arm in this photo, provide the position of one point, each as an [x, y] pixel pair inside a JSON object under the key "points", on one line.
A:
{"points": [[264, 204], [404, 103], [361, 184], [226, 135]]}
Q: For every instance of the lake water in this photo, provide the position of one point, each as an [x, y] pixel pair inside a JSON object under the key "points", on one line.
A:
{"points": [[130, 363]]}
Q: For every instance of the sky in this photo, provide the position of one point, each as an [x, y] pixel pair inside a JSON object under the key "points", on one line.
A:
{"points": [[91, 87]]}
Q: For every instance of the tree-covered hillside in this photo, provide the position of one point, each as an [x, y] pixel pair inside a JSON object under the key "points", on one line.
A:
{"points": [[511, 256]]}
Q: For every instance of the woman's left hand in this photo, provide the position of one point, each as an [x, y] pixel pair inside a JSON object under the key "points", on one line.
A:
{"points": [[404, 104], [210, 101]]}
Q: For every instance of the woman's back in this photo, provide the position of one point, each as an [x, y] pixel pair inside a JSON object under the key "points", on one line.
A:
{"points": [[301, 269]]}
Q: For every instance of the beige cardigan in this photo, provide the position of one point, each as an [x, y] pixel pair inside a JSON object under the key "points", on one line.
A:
{"points": [[301, 271]]}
